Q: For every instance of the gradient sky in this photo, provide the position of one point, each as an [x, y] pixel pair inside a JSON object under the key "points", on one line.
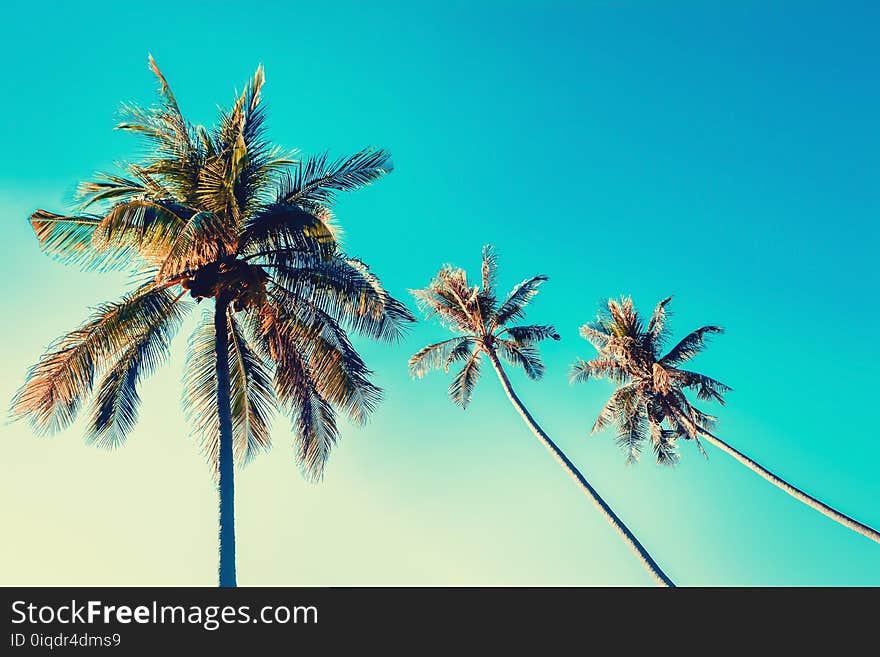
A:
{"points": [[722, 152]]}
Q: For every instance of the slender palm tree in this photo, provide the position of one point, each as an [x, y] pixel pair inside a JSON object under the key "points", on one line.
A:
{"points": [[222, 215], [651, 399], [483, 327]]}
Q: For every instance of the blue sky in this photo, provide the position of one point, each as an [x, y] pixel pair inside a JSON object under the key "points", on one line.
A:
{"points": [[725, 153]]}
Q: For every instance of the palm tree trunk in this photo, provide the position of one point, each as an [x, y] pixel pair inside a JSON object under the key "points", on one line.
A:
{"points": [[584, 485], [225, 471], [796, 493]]}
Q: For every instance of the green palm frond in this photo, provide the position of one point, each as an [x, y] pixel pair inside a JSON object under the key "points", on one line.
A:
{"points": [[216, 187], [514, 305], [317, 180], [264, 163], [164, 88]]}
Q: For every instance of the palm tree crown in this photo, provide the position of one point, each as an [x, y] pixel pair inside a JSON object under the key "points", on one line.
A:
{"points": [[483, 328], [482, 325], [651, 398], [221, 214]]}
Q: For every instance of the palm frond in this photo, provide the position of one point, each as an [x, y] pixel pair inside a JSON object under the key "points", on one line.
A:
{"points": [[115, 407], [110, 187], [314, 421], [347, 291], [251, 393], [462, 386], [522, 355], [69, 239], [596, 334], [317, 180], [200, 390], [690, 346], [663, 442], [621, 318], [707, 388], [437, 301], [252, 396], [203, 239], [657, 331], [582, 370], [489, 269], [315, 431], [439, 354], [631, 419], [340, 375], [164, 87], [626, 396], [281, 231], [174, 153], [529, 335], [514, 306], [146, 226], [59, 382]]}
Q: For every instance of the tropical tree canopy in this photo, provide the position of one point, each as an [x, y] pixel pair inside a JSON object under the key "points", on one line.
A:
{"points": [[217, 213], [650, 399], [481, 323]]}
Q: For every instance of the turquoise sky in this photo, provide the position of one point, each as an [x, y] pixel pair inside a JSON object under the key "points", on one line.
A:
{"points": [[724, 152]]}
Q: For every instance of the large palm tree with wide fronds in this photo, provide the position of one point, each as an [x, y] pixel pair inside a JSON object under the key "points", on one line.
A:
{"points": [[220, 215], [485, 327], [651, 404]]}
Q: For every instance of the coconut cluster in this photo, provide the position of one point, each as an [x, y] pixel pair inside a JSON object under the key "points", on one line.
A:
{"points": [[243, 284]]}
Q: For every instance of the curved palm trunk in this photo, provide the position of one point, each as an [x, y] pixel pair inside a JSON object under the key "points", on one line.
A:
{"points": [[584, 485], [796, 493], [225, 471]]}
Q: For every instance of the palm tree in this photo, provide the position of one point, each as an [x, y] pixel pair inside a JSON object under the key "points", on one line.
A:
{"points": [[222, 215], [651, 399], [483, 327]]}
